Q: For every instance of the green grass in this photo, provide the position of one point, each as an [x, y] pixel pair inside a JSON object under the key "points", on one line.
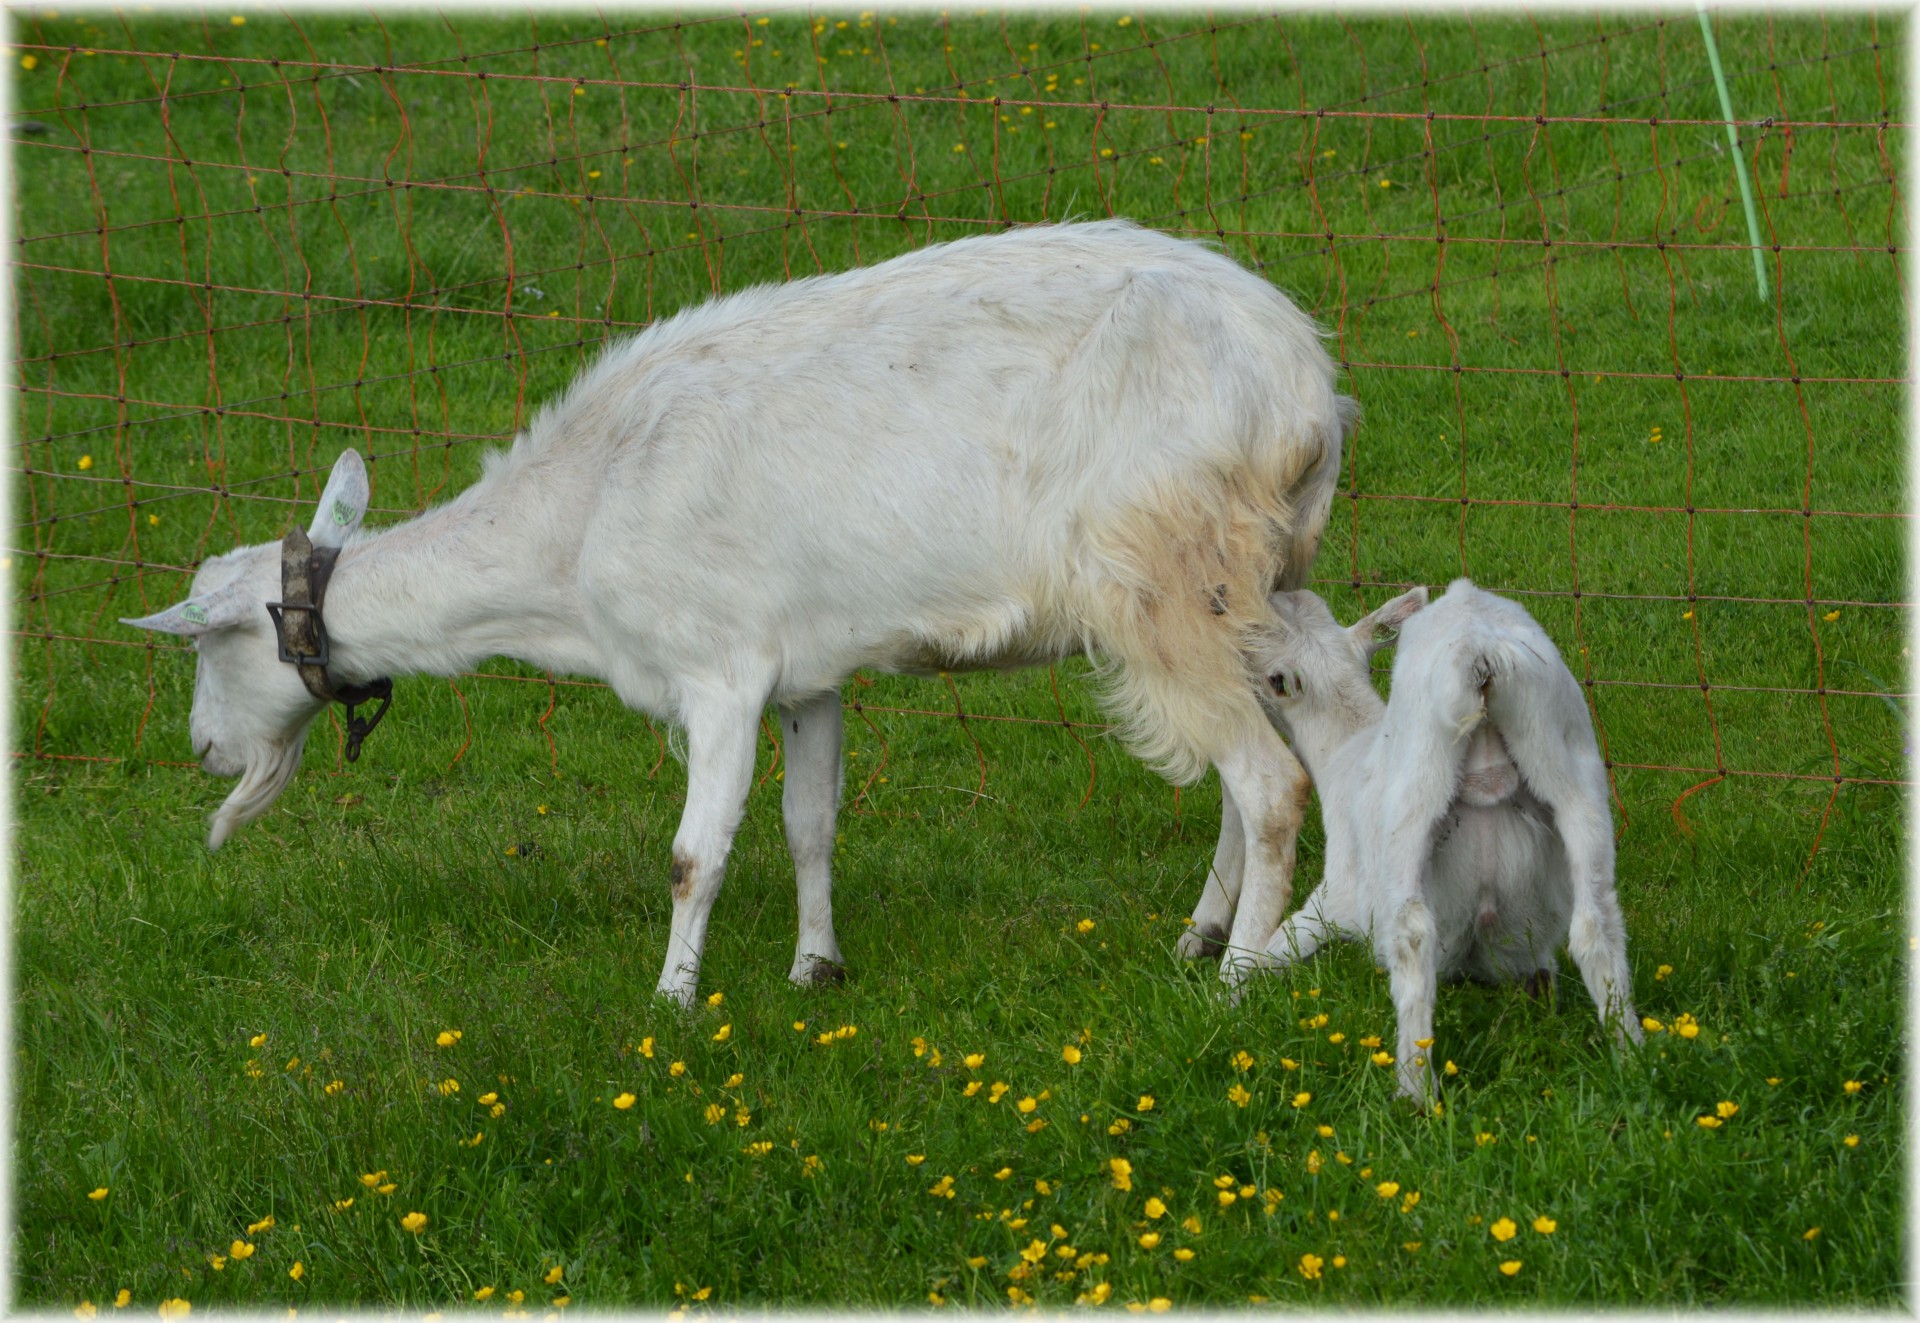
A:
{"points": [[378, 905]]}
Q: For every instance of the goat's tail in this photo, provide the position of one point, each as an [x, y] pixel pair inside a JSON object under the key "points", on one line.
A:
{"points": [[1180, 584]]}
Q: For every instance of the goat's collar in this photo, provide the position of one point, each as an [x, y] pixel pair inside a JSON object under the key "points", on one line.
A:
{"points": [[302, 635]]}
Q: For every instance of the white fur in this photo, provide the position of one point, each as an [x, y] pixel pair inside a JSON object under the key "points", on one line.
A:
{"points": [[994, 452], [1467, 823]]}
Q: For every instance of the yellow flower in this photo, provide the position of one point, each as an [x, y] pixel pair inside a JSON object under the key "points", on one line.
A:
{"points": [[448, 1087], [334, 1087], [1545, 1225], [1387, 1189], [973, 1087], [1122, 1171], [122, 1298], [677, 1069], [716, 998], [942, 1188], [975, 1060], [515, 1297], [1726, 1109], [1070, 1054], [562, 1301], [1191, 1225], [238, 20], [1503, 1230], [1651, 1025], [414, 1222], [1810, 1233], [1026, 1105], [1227, 1198], [86, 462], [1155, 1208], [1325, 1131], [97, 1195], [1145, 1104], [1851, 1141], [1183, 1254], [342, 1205], [175, 1308], [85, 1309], [624, 1101], [1159, 1305], [1239, 1096], [258, 1040], [915, 1159], [297, 1271], [1336, 1038], [1003, 1173], [1853, 1086], [1149, 1240], [1085, 925], [1383, 1058], [977, 1261], [1241, 1061], [1120, 1126], [240, 1249], [1831, 616], [1510, 1267], [1452, 1069], [997, 1092], [726, 1032], [497, 1111], [29, 62], [1709, 1122], [1662, 972], [553, 1274], [372, 1178], [1302, 1099], [1310, 1265], [715, 1113]]}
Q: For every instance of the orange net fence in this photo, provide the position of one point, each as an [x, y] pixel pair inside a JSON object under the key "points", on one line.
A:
{"points": [[244, 241]]}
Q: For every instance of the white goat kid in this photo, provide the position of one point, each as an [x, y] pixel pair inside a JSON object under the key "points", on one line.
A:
{"points": [[990, 453], [1467, 823]]}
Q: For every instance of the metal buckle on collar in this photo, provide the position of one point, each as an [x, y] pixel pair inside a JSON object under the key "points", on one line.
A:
{"points": [[305, 571], [322, 653]]}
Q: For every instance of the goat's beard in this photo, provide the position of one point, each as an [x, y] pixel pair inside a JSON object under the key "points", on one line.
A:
{"points": [[267, 774]]}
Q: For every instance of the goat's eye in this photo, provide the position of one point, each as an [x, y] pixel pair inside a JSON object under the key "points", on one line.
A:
{"points": [[1279, 683]]}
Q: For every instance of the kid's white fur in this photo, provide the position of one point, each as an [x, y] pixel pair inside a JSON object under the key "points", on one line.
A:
{"points": [[989, 453], [1468, 832]]}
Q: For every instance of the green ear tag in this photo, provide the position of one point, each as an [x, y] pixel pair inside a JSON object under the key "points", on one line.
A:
{"points": [[194, 613], [342, 513]]}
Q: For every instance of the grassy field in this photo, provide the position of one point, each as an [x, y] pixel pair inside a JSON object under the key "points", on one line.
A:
{"points": [[422, 984]]}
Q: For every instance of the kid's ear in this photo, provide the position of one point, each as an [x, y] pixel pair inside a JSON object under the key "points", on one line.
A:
{"points": [[1380, 628], [343, 504]]}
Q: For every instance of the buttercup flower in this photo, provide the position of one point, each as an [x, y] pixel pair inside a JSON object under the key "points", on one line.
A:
{"points": [[1545, 1225], [414, 1222], [1503, 1230], [1510, 1267], [624, 1101]]}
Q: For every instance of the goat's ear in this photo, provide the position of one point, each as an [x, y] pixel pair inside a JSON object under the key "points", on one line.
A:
{"points": [[198, 615], [1380, 628], [343, 504]]}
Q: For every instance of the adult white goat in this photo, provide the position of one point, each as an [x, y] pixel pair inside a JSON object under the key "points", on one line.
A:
{"points": [[988, 453], [1466, 816]]}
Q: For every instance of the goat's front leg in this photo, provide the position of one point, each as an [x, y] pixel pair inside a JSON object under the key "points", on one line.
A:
{"points": [[1212, 920], [810, 804], [723, 729], [1269, 789]]}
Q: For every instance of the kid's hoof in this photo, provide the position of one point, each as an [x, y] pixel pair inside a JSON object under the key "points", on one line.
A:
{"points": [[1201, 944]]}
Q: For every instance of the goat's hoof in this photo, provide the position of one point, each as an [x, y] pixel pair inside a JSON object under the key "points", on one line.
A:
{"points": [[1199, 943], [817, 972]]}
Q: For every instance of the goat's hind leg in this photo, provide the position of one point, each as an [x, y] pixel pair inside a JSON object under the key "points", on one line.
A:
{"points": [[1269, 789], [1212, 920], [810, 802], [723, 728]]}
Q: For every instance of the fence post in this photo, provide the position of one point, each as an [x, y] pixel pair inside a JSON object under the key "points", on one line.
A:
{"points": [[1733, 141]]}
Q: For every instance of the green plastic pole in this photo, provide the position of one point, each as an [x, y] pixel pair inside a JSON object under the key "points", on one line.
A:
{"points": [[1739, 160]]}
